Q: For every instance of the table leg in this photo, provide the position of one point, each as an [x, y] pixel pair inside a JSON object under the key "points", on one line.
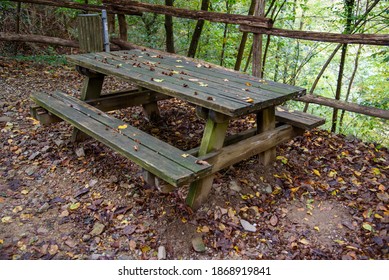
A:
{"points": [[266, 121], [91, 89], [213, 139]]}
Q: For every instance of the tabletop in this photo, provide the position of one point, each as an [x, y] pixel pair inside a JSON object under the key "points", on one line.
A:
{"points": [[213, 87]]}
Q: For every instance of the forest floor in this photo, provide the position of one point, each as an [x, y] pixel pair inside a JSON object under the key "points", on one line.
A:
{"points": [[325, 197]]}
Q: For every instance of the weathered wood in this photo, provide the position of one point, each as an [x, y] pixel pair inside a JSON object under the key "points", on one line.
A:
{"points": [[154, 155], [78, 6], [108, 102], [298, 119], [90, 33], [266, 121], [249, 147], [151, 111], [91, 89], [351, 107], [183, 13], [367, 39], [213, 139], [38, 39], [123, 30], [252, 96]]}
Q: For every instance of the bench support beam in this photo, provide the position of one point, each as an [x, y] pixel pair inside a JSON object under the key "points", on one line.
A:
{"points": [[266, 121]]}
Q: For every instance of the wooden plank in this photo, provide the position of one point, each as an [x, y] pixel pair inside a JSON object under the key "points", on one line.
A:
{"points": [[135, 134], [249, 147], [151, 160], [201, 95], [213, 139], [90, 33], [298, 119]]}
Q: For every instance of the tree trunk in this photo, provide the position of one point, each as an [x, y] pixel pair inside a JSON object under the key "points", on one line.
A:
{"points": [[349, 9], [197, 32], [169, 29], [38, 39], [122, 27], [356, 63], [243, 41], [228, 10]]}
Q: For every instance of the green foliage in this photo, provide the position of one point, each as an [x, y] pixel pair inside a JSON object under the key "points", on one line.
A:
{"points": [[51, 59]]}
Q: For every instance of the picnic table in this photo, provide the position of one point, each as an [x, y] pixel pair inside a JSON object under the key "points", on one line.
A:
{"points": [[219, 95]]}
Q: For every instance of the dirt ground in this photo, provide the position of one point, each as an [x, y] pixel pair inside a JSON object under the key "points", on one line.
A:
{"points": [[325, 197]]}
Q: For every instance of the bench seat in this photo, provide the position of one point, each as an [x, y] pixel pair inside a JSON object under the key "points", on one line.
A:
{"points": [[298, 119], [152, 154]]}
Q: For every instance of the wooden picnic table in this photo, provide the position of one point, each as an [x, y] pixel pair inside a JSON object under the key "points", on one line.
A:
{"points": [[219, 95]]}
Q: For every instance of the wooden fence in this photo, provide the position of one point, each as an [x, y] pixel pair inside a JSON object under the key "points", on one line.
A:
{"points": [[252, 24]]}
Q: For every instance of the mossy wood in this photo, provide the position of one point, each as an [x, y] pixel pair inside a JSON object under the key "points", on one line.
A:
{"points": [[152, 154]]}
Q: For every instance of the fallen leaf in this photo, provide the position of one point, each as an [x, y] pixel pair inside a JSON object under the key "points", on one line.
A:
{"points": [[367, 226], [74, 206], [145, 249], [202, 162], [317, 173], [226, 80], [316, 228], [53, 249], [24, 192], [132, 244], [6, 220], [98, 229], [204, 229], [249, 100], [123, 126], [198, 244], [248, 84], [203, 84], [304, 241], [17, 209], [185, 155], [194, 80], [158, 80], [274, 220], [222, 227]]}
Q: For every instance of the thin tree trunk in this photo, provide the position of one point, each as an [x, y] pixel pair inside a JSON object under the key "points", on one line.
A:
{"points": [[243, 41], [169, 29], [224, 35], [349, 8], [356, 64], [197, 32], [122, 27], [357, 25]]}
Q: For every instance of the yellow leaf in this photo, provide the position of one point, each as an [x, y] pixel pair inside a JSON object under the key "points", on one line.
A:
{"points": [[205, 229], [179, 66], [17, 209], [203, 84], [1, 241], [222, 227], [317, 173], [340, 242], [158, 80], [178, 60], [74, 206], [357, 173], [378, 216], [367, 226], [24, 192], [123, 126], [249, 100], [248, 84], [376, 171], [145, 249], [295, 189], [332, 173], [185, 155], [304, 241], [283, 159], [6, 220], [316, 228], [184, 220]]}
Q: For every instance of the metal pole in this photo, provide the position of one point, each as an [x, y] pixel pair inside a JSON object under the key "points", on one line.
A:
{"points": [[105, 30]]}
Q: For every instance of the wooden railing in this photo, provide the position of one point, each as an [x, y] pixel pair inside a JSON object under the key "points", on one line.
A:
{"points": [[253, 24]]}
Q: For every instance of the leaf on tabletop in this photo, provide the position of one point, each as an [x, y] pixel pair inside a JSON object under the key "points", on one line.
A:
{"points": [[185, 155], [248, 84], [123, 126], [158, 80]]}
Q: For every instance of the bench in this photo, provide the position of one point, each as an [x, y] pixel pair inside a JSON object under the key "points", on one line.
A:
{"points": [[161, 159], [301, 120]]}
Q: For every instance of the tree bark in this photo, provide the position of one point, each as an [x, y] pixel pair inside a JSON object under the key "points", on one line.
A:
{"points": [[169, 29], [122, 27], [350, 107], [197, 32], [243, 41], [38, 39]]}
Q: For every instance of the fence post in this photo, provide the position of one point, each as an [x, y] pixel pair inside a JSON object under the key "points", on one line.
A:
{"points": [[90, 33]]}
